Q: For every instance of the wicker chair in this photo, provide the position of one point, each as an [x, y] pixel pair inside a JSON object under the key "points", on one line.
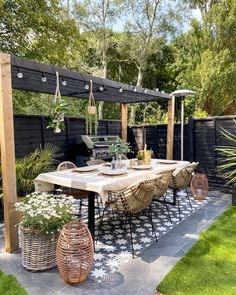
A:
{"points": [[95, 162], [77, 194], [181, 179], [161, 188], [132, 201]]}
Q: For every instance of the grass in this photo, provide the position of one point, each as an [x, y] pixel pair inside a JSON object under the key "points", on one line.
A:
{"points": [[209, 268], [9, 285]]}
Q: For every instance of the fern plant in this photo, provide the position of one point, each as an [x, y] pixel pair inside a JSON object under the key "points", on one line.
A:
{"points": [[29, 167], [228, 152]]}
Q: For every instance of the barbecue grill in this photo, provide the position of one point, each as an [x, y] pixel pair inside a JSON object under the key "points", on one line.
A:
{"points": [[94, 146]]}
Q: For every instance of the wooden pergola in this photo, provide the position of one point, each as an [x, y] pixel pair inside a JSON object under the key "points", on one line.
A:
{"points": [[10, 67]]}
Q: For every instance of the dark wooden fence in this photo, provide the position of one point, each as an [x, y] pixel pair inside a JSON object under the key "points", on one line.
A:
{"points": [[31, 132], [201, 136]]}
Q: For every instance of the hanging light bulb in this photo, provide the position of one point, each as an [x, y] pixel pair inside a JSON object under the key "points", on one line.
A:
{"points": [[121, 90], [101, 88], [135, 89], [63, 82], [19, 74], [86, 86], [44, 79]]}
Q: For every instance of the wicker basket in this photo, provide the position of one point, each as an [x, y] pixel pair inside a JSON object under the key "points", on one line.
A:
{"points": [[74, 252], [199, 186], [38, 250]]}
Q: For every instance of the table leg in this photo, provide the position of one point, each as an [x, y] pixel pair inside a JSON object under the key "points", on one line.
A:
{"points": [[91, 214]]}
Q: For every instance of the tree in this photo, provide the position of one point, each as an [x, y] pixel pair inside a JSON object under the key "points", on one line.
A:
{"points": [[152, 21], [97, 18], [205, 58]]}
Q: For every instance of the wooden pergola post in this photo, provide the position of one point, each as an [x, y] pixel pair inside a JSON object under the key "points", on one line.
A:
{"points": [[124, 120], [8, 154], [170, 128]]}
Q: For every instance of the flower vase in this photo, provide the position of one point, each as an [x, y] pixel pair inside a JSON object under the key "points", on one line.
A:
{"points": [[119, 163]]}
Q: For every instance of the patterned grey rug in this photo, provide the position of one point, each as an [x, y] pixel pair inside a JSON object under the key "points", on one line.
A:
{"points": [[113, 246]]}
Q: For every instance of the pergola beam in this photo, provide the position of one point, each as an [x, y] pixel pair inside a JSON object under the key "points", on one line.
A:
{"points": [[8, 154], [124, 121], [170, 129]]}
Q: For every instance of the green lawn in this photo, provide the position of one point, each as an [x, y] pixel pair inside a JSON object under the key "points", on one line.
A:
{"points": [[9, 285], [209, 268]]}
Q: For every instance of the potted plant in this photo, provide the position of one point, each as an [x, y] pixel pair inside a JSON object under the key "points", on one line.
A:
{"points": [[228, 161], [140, 157], [44, 215], [58, 108], [91, 113], [119, 149]]}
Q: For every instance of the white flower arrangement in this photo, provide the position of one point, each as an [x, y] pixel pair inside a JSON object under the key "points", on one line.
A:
{"points": [[46, 213]]}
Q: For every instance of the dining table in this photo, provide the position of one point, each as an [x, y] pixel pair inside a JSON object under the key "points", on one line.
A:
{"points": [[101, 179]]}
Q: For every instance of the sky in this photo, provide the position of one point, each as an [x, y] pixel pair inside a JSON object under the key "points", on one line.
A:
{"points": [[119, 25]]}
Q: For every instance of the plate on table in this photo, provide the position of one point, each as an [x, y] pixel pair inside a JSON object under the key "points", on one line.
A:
{"points": [[167, 162], [141, 167], [113, 172], [85, 169]]}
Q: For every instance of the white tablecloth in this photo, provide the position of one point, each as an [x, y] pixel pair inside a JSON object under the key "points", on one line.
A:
{"points": [[96, 182]]}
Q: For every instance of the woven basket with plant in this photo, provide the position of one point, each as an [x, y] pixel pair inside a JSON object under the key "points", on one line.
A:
{"points": [[44, 215]]}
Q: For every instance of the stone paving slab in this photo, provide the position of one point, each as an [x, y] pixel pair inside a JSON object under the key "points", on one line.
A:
{"points": [[140, 275]]}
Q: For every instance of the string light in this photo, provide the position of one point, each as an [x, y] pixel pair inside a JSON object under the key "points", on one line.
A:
{"points": [[101, 88], [121, 90], [135, 89], [157, 89], [145, 90], [44, 79], [63, 82], [86, 87], [19, 74]]}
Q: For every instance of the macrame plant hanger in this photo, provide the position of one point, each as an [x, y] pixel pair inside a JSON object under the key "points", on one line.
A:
{"points": [[91, 113], [58, 116]]}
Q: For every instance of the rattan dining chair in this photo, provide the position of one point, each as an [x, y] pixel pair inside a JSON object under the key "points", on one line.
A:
{"points": [[180, 180], [133, 201], [77, 194], [161, 188]]}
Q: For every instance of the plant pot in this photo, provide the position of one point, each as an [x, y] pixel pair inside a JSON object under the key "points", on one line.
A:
{"points": [[57, 129], [92, 110], [38, 250]]}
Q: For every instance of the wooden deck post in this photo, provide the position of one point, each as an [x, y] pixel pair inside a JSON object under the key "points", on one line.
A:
{"points": [[124, 120], [8, 154], [170, 128]]}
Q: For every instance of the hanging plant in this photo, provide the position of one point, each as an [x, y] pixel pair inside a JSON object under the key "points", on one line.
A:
{"points": [[58, 109], [91, 113]]}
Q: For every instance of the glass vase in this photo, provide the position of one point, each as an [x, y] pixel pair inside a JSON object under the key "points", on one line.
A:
{"points": [[119, 163]]}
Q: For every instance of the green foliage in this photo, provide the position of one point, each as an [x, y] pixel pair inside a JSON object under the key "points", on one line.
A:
{"points": [[9, 285], [29, 167], [205, 57], [91, 122], [209, 267], [228, 161], [120, 148], [58, 108], [46, 213]]}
